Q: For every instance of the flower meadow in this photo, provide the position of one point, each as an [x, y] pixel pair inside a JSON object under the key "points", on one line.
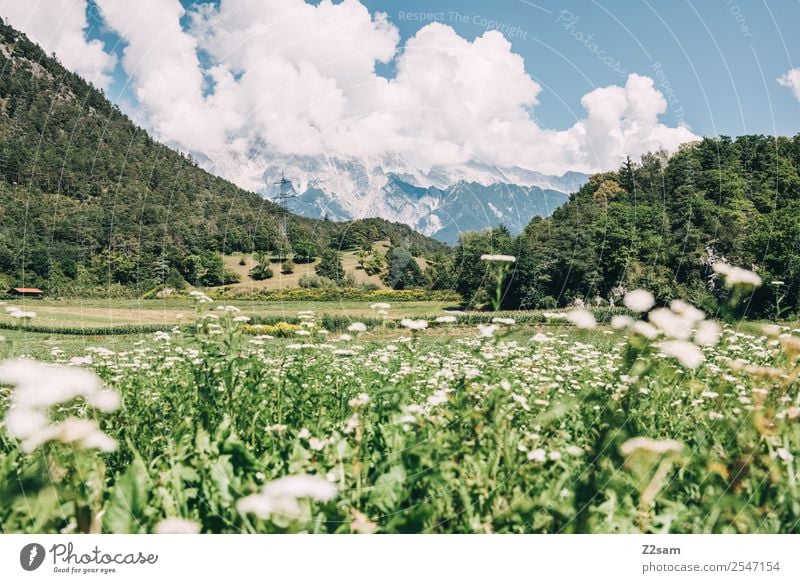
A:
{"points": [[666, 420]]}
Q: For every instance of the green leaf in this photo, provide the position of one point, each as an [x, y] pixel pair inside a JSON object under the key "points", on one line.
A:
{"points": [[128, 501], [389, 489]]}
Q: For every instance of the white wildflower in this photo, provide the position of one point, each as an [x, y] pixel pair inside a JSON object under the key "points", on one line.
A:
{"points": [[499, 258], [20, 314], [638, 300], [707, 333], [301, 486], [646, 444], [645, 329], [200, 297], [521, 400], [486, 330], [687, 353], [177, 526], [575, 451], [670, 323], [582, 319], [736, 276], [414, 324], [687, 311], [621, 322], [359, 401], [316, 444], [438, 398], [537, 455], [357, 327], [280, 496]]}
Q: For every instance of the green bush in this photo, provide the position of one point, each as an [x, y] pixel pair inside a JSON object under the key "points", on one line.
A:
{"points": [[287, 267], [311, 281], [261, 272], [229, 276], [330, 266]]}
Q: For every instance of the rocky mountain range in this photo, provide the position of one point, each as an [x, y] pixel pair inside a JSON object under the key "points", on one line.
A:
{"points": [[439, 202]]}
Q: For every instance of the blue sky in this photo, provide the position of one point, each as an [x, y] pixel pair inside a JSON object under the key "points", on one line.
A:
{"points": [[716, 61], [245, 85]]}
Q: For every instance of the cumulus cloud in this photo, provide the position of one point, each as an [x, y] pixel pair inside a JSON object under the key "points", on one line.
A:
{"points": [[59, 27], [791, 80], [242, 82]]}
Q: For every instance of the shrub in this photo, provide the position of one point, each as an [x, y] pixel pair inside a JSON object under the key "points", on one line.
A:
{"points": [[287, 267], [229, 276], [330, 266], [375, 264], [311, 281], [304, 251], [261, 272], [547, 303]]}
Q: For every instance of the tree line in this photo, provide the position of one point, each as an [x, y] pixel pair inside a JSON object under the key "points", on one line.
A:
{"points": [[658, 223]]}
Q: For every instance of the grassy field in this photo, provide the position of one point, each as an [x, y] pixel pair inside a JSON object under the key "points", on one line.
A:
{"points": [[292, 280], [450, 428], [178, 311], [662, 422]]}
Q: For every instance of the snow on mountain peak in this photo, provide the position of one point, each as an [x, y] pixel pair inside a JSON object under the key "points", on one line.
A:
{"points": [[433, 201]]}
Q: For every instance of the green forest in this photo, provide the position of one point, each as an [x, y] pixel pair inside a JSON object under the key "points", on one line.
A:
{"points": [[90, 204], [659, 224]]}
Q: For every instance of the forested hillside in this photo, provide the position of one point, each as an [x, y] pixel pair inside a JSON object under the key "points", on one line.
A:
{"points": [[659, 224], [89, 203]]}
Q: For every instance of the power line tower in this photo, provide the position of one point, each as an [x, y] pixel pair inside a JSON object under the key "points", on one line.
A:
{"points": [[282, 200], [286, 192]]}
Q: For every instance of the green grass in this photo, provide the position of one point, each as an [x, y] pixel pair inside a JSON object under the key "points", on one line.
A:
{"points": [[93, 314], [441, 430], [39, 346]]}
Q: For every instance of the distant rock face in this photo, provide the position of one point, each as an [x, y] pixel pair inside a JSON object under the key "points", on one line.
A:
{"points": [[440, 202]]}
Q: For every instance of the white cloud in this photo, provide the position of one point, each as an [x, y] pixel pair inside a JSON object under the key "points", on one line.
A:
{"points": [[247, 80], [161, 61], [59, 27], [792, 80]]}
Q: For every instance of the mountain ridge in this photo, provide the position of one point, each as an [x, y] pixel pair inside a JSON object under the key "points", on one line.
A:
{"points": [[440, 202]]}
